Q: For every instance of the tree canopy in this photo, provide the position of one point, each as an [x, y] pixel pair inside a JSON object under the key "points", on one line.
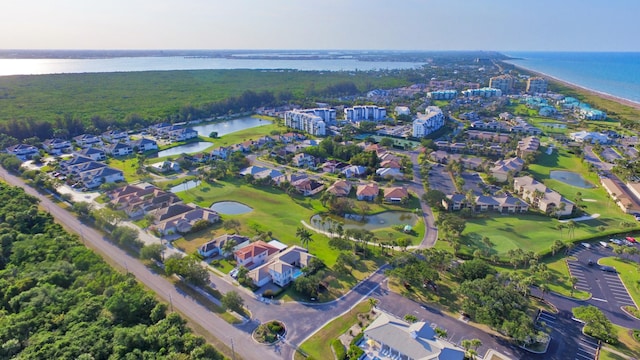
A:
{"points": [[59, 300]]}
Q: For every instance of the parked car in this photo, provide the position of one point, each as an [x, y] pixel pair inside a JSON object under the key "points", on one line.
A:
{"points": [[587, 245], [233, 273], [608, 269], [590, 262], [616, 241], [604, 244]]}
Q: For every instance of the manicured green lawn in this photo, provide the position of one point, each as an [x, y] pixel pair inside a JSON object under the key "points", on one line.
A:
{"points": [[629, 274], [559, 282], [319, 345], [537, 232], [627, 344], [128, 165]]}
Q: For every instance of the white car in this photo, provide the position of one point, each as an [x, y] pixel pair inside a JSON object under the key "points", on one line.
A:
{"points": [[604, 244], [587, 245]]}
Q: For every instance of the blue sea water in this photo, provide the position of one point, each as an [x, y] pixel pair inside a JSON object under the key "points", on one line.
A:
{"points": [[616, 74]]}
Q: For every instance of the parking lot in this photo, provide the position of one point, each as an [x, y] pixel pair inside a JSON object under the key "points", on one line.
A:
{"points": [[473, 182], [577, 345], [604, 284], [439, 179], [610, 155]]}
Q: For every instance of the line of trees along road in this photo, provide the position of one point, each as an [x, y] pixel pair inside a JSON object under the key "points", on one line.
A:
{"points": [[58, 300]]}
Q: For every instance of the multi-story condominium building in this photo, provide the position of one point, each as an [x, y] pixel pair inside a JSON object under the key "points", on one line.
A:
{"points": [[536, 85], [503, 82], [430, 121], [365, 112], [327, 115], [308, 122], [442, 94], [541, 197], [485, 92]]}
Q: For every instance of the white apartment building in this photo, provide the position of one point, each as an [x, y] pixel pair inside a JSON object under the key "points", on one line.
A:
{"points": [[430, 121], [365, 112], [536, 85], [305, 121], [485, 92], [503, 82], [442, 94]]}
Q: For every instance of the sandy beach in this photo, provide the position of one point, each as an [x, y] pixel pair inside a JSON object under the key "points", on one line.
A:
{"points": [[603, 95]]}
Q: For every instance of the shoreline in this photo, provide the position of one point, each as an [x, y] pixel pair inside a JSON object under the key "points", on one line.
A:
{"points": [[604, 95]]}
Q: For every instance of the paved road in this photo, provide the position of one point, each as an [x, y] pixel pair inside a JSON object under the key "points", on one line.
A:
{"points": [[415, 186], [161, 286]]}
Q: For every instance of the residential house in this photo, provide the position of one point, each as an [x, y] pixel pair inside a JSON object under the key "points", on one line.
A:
{"points": [[23, 151], [166, 166], [215, 246], [87, 140], [390, 164], [390, 173], [254, 254], [119, 149], [137, 201], [395, 194], [114, 136], [184, 222], [103, 175], [93, 153], [541, 197], [303, 160], [144, 145], [220, 153], [417, 341], [367, 192], [528, 145], [56, 146], [333, 166], [183, 134], [283, 268], [502, 168], [340, 188], [308, 186], [354, 171]]}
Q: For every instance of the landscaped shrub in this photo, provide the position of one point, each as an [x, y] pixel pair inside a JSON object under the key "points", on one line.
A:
{"points": [[356, 339], [339, 350], [354, 352]]}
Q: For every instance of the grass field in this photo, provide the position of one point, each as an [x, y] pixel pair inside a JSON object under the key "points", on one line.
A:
{"points": [[628, 271], [627, 344], [319, 345], [158, 95], [538, 232]]}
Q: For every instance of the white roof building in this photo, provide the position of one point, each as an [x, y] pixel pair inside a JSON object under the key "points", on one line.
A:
{"points": [[430, 121]]}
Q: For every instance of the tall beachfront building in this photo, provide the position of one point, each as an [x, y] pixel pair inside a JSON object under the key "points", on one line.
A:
{"points": [[503, 82], [430, 121], [312, 121], [365, 112], [536, 85]]}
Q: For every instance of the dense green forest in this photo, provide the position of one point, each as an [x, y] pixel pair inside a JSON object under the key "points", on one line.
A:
{"points": [[58, 300], [95, 101]]}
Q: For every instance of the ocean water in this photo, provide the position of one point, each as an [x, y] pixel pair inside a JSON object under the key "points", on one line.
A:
{"points": [[616, 74]]}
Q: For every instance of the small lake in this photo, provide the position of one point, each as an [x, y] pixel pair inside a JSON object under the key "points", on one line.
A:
{"points": [[185, 186], [372, 222], [189, 148], [571, 178], [229, 126], [231, 208]]}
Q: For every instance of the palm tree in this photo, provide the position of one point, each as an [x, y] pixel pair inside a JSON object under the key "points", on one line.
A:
{"points": [[544, 288], [573, 280], [304, 235], [572, 227], [372, 303]]}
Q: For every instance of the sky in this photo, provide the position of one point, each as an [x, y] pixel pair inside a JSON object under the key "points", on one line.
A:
{"points": [[501, 25]]}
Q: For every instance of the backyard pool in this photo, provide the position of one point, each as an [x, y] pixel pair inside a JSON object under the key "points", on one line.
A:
{"points": [[571, 178]]}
